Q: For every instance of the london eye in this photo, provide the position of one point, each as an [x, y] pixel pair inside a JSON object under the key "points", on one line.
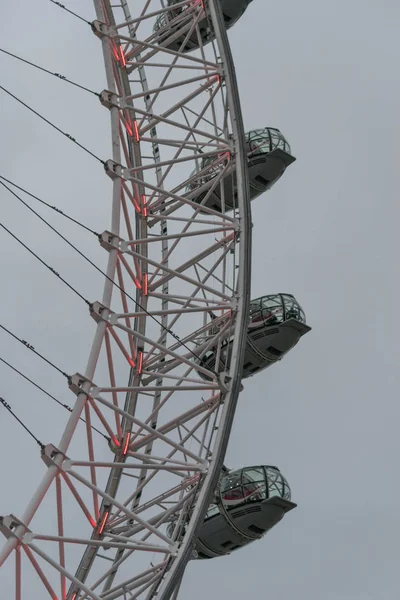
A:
{"points": [[136, 487]]}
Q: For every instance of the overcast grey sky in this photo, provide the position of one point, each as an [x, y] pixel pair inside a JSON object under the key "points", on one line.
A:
{"points": [[326, 74]]}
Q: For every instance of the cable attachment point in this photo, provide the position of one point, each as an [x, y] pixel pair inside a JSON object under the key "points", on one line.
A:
{"points": [[108, 99], [49, 454], [113, 169], [99, 312], [12, 527], [76, 384], [101, 29], [110, 241]]}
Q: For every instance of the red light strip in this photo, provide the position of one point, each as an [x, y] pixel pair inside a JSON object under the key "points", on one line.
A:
{"points": [[74, 596], [145, 284], [104, 521], [140, 364], [136, 128], [136, 205], [144, 202], [123, 59], [128, 126], [115, 52], [126, 445]]}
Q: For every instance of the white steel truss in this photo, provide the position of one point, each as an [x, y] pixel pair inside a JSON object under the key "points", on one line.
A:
{"points": [[178, 283]]}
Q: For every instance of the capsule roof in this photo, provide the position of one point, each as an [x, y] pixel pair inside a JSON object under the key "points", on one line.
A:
{"points": [[262, 141], [253, 483], [276, 308]]}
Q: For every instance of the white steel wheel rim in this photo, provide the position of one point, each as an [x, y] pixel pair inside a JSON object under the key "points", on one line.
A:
{"points": [[170, 432]]}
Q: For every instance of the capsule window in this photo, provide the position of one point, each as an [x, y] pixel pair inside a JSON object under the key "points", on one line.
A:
{"points": [[254, 474], [231, 481], [233, 494], [254, 492], [277, 484]]}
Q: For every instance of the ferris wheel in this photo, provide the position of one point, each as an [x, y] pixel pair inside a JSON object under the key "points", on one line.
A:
{"points": [[119, 515]]}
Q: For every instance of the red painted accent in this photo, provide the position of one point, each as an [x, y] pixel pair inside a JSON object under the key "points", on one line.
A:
{"points": [[74, 596], [223, 155], [126, 445], [104, 521]]}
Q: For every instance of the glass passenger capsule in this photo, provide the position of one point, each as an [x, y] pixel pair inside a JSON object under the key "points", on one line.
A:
{"points": [[276, 324], [177, 24], [268, 155], [247, 504]]}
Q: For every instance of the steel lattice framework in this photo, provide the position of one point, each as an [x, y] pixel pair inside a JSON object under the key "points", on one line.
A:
{"points": [[178, 284]]}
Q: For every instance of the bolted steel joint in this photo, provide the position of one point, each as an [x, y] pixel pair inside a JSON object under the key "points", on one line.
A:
{"points": [[77, 382], [113, 169], [108, 99], [11, 527], [101, 29], [109, 241], [49, 453], [224, 380], [99, 312]]}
